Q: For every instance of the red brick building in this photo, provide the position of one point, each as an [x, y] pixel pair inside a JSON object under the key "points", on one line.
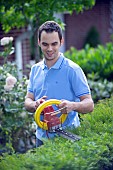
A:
{"points": [[25, 45], [77, 27]]}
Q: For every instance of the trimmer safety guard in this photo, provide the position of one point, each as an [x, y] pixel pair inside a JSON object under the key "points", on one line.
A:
{"points": [[49, 116]]}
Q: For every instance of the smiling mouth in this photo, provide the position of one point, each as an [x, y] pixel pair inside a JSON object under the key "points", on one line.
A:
{"points": [[49, 54]]}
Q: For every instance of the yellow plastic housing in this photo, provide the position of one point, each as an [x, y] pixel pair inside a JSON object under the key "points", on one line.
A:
{"points": [[41, 107]]}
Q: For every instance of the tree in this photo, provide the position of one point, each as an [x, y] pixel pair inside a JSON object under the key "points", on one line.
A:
{"points": [[33, 13]]}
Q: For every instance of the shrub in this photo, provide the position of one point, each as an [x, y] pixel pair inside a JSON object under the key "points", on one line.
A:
{"points": [[93, 151], [92, 37], [100, 89], [94, 60], [15, 121]]}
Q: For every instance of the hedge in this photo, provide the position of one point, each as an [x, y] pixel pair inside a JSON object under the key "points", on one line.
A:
{"points": [[94, 60], [93, 152]]}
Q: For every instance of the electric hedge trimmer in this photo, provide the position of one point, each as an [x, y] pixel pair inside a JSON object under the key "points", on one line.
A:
{"points": [[51, 122]]}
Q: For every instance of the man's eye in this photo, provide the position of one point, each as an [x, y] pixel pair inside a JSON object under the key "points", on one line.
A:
{"points": [[54, 44], [44, 44]]}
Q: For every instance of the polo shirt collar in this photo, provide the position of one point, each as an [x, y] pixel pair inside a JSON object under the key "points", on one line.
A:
{"points": [[57, 65]]}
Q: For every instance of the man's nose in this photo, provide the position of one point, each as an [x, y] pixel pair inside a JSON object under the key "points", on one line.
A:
{"points": [[49, 47]]}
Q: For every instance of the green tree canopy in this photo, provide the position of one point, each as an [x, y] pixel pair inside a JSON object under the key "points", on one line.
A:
{"points": [[33, 13]]}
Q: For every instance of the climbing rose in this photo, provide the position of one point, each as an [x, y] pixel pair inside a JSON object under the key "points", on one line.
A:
{"points": [[6, 40], [10, 82]]}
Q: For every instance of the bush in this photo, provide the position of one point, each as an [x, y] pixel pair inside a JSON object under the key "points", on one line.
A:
{"points": [[93, 151], [15, 122], [94, 60], [92, 37], [100, 89]]}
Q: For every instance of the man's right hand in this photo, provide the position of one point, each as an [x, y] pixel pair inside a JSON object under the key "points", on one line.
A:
{"points": [[39, 101], [30, 103]]}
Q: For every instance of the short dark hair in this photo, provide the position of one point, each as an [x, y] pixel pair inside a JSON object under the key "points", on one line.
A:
{"points": [[50, 26]]}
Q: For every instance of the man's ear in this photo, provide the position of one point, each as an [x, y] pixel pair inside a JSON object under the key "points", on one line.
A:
{"points": [[62, 41], [38, 42]]}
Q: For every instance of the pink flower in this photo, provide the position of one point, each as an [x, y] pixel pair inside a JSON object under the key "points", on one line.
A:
{"points": [[10, 82], [8, 88], [6, 40]]}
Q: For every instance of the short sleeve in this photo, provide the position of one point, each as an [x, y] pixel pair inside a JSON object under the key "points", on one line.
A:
{"points": [[79, 83], [30, 83]]}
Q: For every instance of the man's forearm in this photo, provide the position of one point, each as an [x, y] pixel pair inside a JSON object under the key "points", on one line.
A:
{"points": [[84, 106], [30, 105]]}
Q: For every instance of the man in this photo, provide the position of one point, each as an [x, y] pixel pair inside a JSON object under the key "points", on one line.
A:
{"points": [[57, 77]]}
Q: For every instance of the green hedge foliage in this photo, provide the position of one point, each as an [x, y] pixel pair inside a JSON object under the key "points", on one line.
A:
{"points": [[93, 152], [100, 89], [94, 60]]}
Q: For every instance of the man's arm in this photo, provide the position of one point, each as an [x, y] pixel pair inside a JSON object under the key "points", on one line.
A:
{"points": [[85, 105], [30, 103]]}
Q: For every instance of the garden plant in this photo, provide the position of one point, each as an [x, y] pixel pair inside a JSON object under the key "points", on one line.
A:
{"points": [[15, 121], [93, 151]]}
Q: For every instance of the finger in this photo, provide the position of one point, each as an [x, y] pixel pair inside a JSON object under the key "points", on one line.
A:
{"points": [[44, 97], [64, 111], [36, 106], [37, 103], [61, 105]]}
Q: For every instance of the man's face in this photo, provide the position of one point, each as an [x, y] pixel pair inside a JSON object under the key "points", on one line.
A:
{"points": [[50, 44]]}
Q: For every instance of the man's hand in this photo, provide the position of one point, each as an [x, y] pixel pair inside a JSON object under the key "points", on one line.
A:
{"points": [[67, 105], [85, 105], [39, 101], [30, 103]]}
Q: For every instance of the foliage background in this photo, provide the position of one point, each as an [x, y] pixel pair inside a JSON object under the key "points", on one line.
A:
{"points": [[93, 151], [15, 122]]}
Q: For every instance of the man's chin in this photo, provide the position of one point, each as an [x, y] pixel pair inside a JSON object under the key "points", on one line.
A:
{"points": [[50, 58]]}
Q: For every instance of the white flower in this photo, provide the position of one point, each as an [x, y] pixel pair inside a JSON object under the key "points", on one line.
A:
{"points": [[23, 114], [12, 50], [33, 126], [26, 82], [8, 74], [10, 82], [6, 40], [8, 88]]}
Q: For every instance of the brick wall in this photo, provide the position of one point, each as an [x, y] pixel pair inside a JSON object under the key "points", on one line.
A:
{"points": [[78, 25], [26, 56]]}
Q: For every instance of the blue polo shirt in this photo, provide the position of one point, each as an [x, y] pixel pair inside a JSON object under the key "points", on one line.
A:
{"points": [[64, 80]]}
